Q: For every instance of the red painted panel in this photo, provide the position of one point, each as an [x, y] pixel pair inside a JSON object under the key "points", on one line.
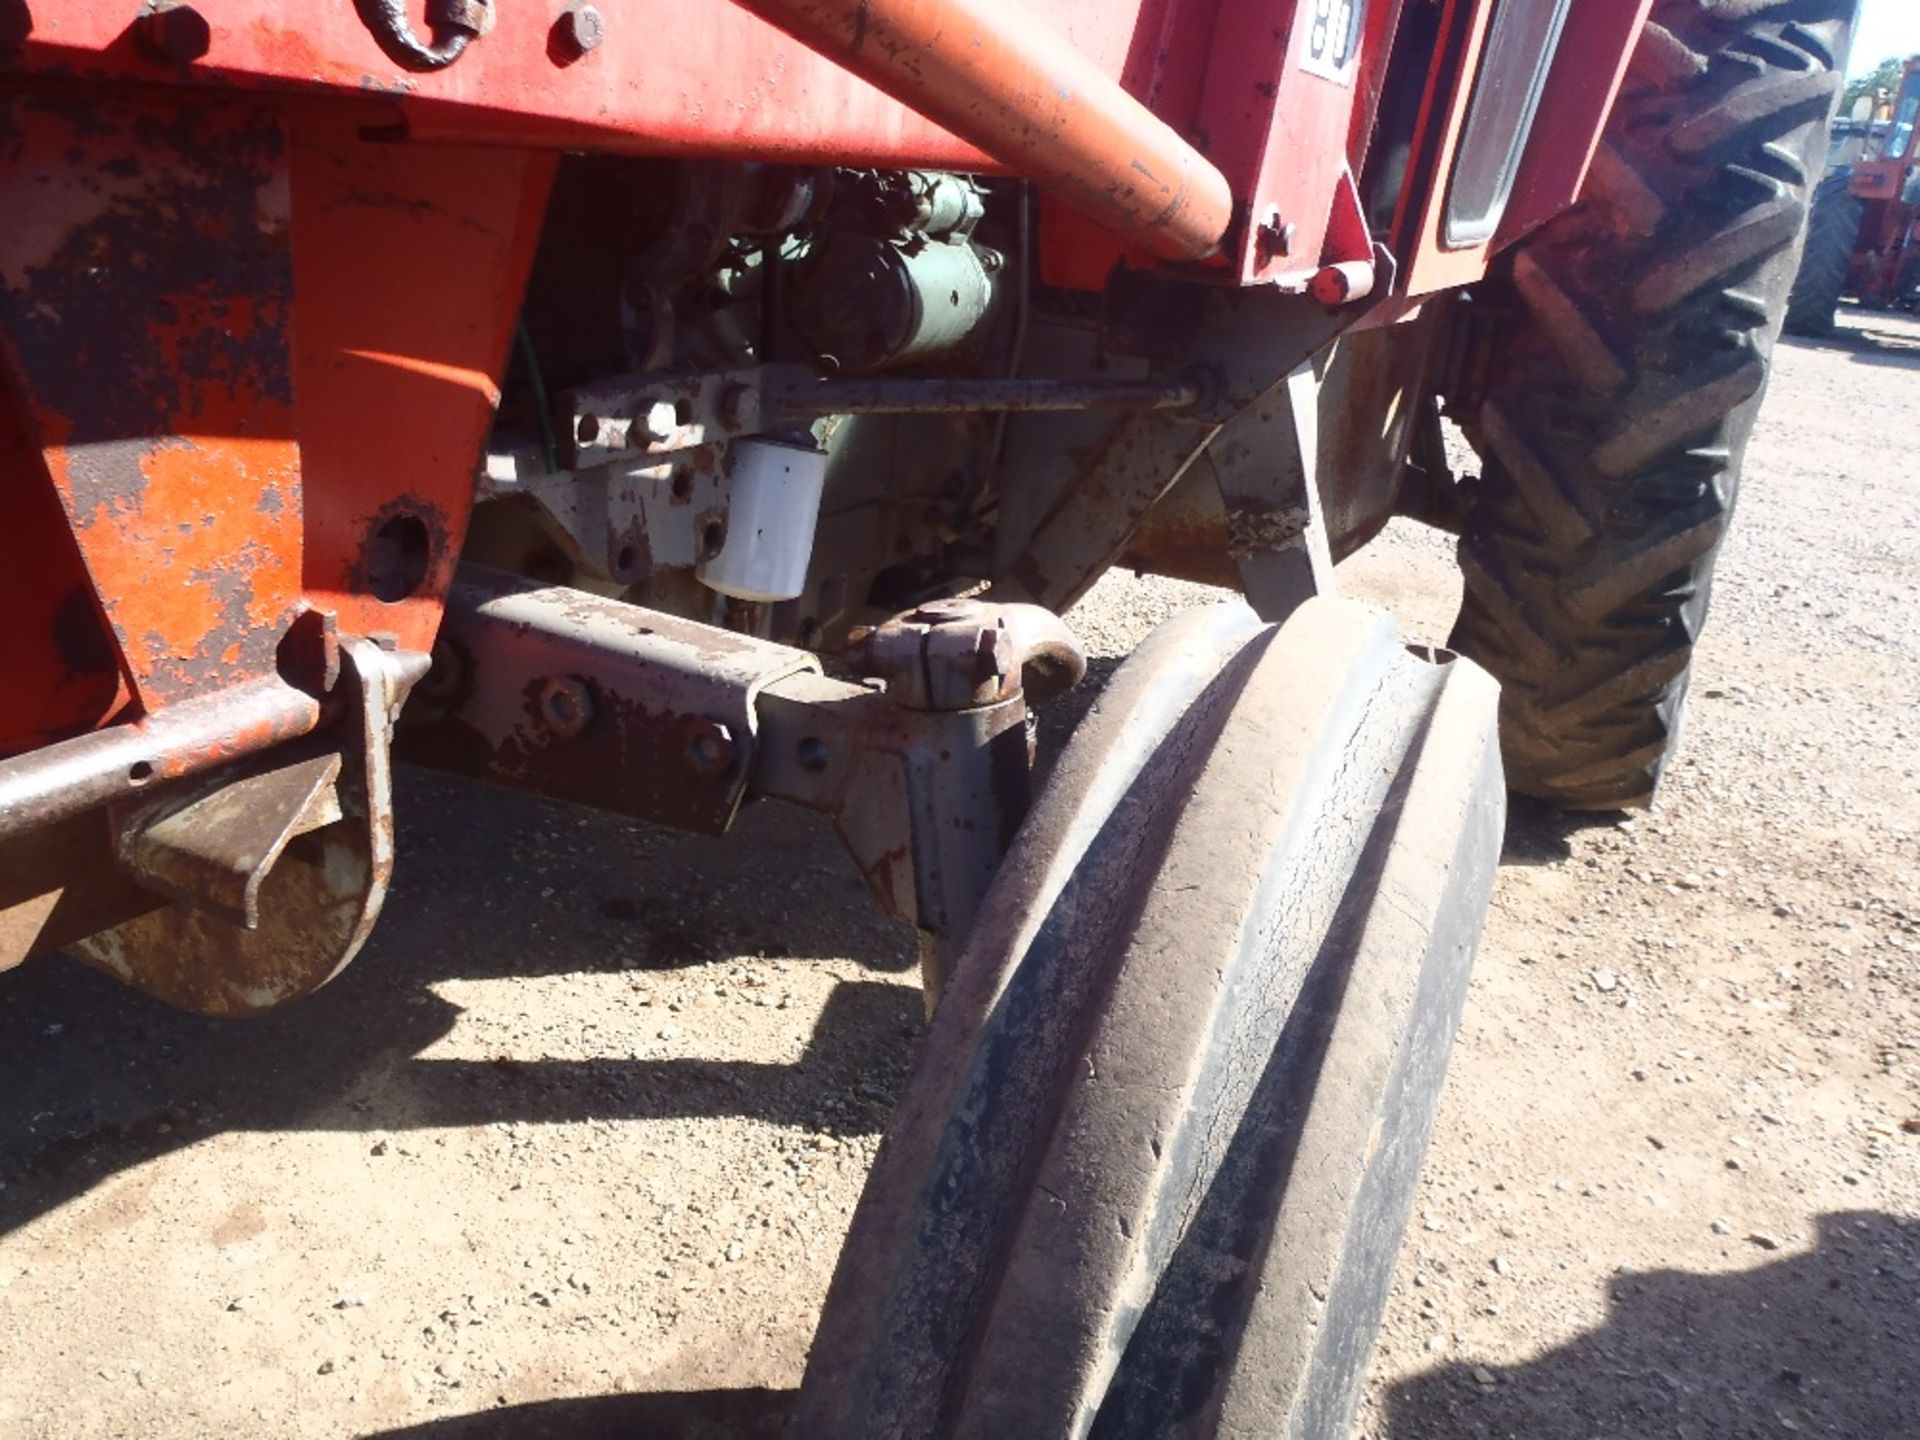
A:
{"points": [[1278, 123], [1589, 65], [409, 264], [673, 76], [1428, 265]]}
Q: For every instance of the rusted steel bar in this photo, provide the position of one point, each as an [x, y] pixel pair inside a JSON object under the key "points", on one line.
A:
{"points": [[909, 397], [68, 778], [594, 701], [1002, 80]]}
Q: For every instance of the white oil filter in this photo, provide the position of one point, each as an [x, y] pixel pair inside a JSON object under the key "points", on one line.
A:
{"points": [[773, 504]]}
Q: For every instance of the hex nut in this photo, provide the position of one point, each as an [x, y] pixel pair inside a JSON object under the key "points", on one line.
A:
{"points": [[582, 28], [173, 33]]}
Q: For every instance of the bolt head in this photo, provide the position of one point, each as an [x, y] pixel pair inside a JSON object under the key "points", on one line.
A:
{"points": [[992, 655], [173, 33], [1275, 234], [585, 28]]}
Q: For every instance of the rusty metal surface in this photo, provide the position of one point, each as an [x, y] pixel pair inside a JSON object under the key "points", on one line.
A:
{"points": [[1113, 483], [627, 524], [47, 785], [1184, 535], [660, 722], [194, 261], [926, 801], [956, 654], [662, 414], [928, 783], [59, 657], [317, 903], [212, 848], [144, 318], [1369, 403], [1002, 79], [1076, 492]]}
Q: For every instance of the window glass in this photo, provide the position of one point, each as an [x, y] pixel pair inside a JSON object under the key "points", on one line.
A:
{"points": [[1904, 114]]}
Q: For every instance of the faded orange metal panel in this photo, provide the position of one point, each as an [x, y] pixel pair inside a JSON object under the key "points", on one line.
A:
{"points": [[145, 289], [409, 266], [1566, 133]]}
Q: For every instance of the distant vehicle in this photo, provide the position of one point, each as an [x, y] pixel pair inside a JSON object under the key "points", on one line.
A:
{"points": [[1853, 140], [1860, 237]]}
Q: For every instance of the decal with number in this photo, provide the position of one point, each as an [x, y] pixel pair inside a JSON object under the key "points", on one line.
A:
{"points": [[1334, 27]]}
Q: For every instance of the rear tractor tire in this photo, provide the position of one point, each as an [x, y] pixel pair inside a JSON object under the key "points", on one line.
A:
{"points": [[1833, 231], [1150, 1170], [1624, 386]]}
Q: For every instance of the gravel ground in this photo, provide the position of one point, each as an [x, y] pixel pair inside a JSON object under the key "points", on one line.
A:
{"points": [[570, 1149]]}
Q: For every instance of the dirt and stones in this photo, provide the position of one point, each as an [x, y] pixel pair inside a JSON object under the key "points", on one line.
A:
{"points": [[570, 1149]]}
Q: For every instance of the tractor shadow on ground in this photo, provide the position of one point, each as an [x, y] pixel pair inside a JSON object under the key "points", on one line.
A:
{"points": [[1867, 337], [692, 1415], [99, 1078], [496, 886], [1541, 834], [1824, 1343]]}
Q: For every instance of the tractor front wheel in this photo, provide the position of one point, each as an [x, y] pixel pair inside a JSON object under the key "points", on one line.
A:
{"points": [[1151, 1167]]}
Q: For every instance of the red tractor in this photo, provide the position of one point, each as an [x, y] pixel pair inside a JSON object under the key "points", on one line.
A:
{"points": [[673, 406], [1861, 239]]}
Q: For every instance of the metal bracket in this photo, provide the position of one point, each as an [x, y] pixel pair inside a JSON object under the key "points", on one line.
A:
{"points": [[215, 847], [926, 801], [961, 653], [606, 704], [1084, 489], [928, 783], [595, 701], [620, 522], [658, 413], [1265, 463], [278, 873]]}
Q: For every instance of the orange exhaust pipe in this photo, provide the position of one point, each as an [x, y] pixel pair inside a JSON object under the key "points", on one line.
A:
{"points": [[1005, 83]]}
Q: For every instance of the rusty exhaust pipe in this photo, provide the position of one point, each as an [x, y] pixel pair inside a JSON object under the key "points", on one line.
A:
{"points": [[1005, 83]]}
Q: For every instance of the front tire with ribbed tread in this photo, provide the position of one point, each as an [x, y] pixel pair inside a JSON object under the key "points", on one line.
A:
{"points": [[1624, 385], [1151, 1168]]}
